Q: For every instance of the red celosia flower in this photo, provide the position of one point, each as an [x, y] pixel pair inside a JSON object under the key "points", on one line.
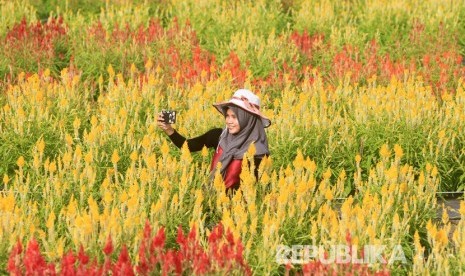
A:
{"points": [[147, 230], [108, 249], [225, 255], [158, 241], [123, 266], [33, 260], [67, 264], [82, 257], [15, 259]]}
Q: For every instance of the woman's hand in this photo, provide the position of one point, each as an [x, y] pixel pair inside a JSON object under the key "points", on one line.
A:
{"points": [[167, 128]]}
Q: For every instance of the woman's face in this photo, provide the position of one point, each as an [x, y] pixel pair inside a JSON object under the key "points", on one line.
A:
{"points": [[232, 122]]}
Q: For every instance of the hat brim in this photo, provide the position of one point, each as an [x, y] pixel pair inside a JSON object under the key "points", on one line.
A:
{"points": [[219, 106]]}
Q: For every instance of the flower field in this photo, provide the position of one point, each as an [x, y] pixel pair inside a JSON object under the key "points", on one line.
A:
{"points": [[367, 103]]}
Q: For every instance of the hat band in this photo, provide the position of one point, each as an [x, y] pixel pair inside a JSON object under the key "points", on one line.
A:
{"points": [[248, 104]]}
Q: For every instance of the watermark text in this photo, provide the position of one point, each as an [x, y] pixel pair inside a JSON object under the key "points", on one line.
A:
{"points": [[339, 254]]}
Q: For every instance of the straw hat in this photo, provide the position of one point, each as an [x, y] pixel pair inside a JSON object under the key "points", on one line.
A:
{"points": [[246, 100]]}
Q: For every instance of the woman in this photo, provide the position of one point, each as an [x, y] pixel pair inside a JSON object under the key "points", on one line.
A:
{"points": [[244, 125]]}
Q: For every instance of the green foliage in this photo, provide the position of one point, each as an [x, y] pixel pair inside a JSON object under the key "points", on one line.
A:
{"points": [[217, 22], [13, 144], [47, 7]]}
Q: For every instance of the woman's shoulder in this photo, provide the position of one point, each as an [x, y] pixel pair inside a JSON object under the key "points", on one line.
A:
{"points": [[212, 137], [214, 133], [215, 130]]}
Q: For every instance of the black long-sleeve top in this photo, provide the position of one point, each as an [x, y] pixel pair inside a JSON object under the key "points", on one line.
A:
{"points": [[210, 139]]}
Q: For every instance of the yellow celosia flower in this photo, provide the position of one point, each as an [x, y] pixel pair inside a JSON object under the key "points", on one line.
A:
{"points": [[72, 207], [123, 113], [421, 179], [347, 206], [60, 246], [144, 175], [203, 74], [52, 167], [398, 151], [186, 154], [146, 142], [441, 135], [327, 174], [64, 73], [93, 208], [384, 151], [434, 171], [416, 239], [51, 220], [6, 179], [115, 157], [291, 188], [123, 197], [329, 194], [311, 165], [20, 162], [40, 145], [111, 71], [134, 156], [175, 200], [218, 181], [299, 160], [406, 207], [445, 216], [20, 112], [204, 152], [405, 169], [165, 184], [157, 207], [198, 197], [342, 176], [105, 183], [371, 233], [133, 68], [46, 164], [100, 81], [289, 171], [446, 97], [78, 153], [151, 161], [133, 203], [107, 197], [41, 234], [431, 228], [69, 140], [402, 187], [441, 238], [265, 179], [149, 64], [94, 121], [358, 158], [165, 149], [392, 173], [395, 222], [76, 123], [88, 157]]}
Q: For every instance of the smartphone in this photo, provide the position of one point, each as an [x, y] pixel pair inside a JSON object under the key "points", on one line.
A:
{"points": [[169, 116]]}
